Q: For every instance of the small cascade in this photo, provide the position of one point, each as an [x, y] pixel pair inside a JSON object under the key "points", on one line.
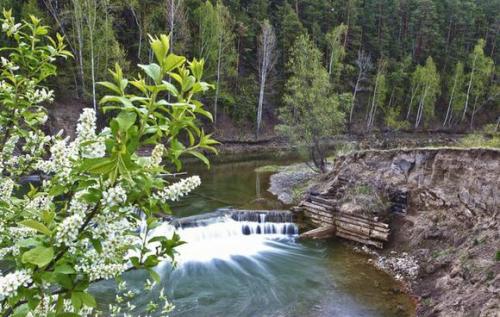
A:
{"points": [[224, 236], [277, 216]]}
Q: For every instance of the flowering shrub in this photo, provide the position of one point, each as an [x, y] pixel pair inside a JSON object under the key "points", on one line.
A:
{"points": [[89, 214]]}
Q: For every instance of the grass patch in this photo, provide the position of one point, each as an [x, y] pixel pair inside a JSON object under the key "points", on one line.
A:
{"points": [[497, 256]]}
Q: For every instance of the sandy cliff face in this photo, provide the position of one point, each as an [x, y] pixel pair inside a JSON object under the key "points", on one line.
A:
{"points": [[445, 205]]}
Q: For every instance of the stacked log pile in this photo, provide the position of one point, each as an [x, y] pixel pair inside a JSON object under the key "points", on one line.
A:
{"points": [[324, 210]]}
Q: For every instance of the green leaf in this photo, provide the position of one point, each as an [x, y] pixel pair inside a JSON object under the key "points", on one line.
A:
{"points": [[64, 269], [155, 276], [40, 256], [40, 227], [110, 86], [200, 156], [88, 300], [118, 99], [173, 61], [76, 300], [126, 120], [153, 71]]}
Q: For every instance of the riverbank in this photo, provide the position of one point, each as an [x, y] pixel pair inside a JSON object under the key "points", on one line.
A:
{"points": [[445, 247]]}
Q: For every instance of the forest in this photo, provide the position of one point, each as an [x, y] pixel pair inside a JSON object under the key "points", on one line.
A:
{"points": [[388, 65]]}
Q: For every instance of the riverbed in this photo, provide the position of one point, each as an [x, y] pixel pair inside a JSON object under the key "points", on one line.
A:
{"points": [[225, 271]]}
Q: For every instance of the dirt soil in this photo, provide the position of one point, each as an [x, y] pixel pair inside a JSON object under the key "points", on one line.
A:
{"points": [[446, 246]]}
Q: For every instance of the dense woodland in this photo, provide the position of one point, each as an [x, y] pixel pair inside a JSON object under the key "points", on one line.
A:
{"points": [[384, 64]]}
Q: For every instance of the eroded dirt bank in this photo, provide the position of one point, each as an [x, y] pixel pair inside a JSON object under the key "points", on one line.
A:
{"points": [[445, 235]]}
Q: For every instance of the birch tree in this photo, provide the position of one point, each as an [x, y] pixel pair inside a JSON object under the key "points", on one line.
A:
{"points": [[336, 50], [480, 71], [225, 44], [379, 94], [267, 59], [364, 65], [427, 89], [175, 14], [457, 95], [90, 9]]}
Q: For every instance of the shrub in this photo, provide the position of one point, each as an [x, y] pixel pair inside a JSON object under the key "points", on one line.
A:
{"points": [[91, 216]]}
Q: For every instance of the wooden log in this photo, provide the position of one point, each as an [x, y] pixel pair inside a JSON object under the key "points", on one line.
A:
{"points": [[363, 230], [315, 206], [321, 219], [364, 219], [373, 232], [319, 212], [324, 201], [347, 236], [327, 207], [319, 233], [363, 223]]}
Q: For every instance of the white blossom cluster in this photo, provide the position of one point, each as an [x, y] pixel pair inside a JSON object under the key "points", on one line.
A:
{"points": [[156, 156], [86, 132], [47, 307], [114, 196], [98, 266], [10, 27], [36, 96], [5, 88], [67, 231], [6, 187], [38, 204], [179, 189], [8, 64], [10, 283]]}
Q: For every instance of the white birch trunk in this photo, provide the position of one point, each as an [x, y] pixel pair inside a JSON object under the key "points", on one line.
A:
{"points": [[469, 87]]}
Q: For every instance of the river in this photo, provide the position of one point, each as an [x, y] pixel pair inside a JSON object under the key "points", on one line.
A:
{"points": [[224, 270]]}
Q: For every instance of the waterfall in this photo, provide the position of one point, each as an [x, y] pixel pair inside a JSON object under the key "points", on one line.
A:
{"points": [[224, 237]]}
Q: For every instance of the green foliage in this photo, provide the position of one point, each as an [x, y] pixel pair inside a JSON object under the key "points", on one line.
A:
{"points": [[311, 111], [83, 223], [31, 52], [336, 51], [426, 89]]}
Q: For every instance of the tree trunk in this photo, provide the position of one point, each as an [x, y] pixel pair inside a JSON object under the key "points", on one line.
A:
{"points": [[413, 93], [354, 98], [421, 108], [448, 112], [217, 89], [469, 87], [261, 102], [372, 108]]}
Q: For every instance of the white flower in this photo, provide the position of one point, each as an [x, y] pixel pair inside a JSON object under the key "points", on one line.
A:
{"points": [[6, 187], [86, 126], [179, 189], [114, 196], [67, 231], [12, 281], [8, 64], [156, 156]]}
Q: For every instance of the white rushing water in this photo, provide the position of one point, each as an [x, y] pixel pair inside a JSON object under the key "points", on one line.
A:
{"points": [[225, 238]]}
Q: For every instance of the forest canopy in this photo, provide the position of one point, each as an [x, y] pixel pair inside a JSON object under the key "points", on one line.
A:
{"points": [[423, 64]]}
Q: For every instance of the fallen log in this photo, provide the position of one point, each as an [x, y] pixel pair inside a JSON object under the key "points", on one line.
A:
{"points": [[324, 201], [363, 223], [364, 219], [370, 233], [315, 206], [319, 233]]}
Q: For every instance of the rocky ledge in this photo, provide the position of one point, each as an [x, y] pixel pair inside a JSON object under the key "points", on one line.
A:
{"points": [[443, 207]]}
